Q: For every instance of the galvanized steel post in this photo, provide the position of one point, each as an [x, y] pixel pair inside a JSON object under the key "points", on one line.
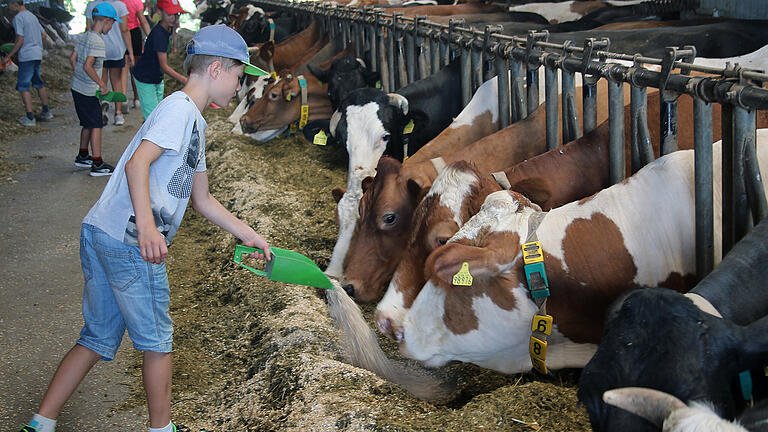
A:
{"points": [[532, 68], [550, 99], [517, 80], [743, 135], [704, 207], [502, 72], [466, 73], [617, 164], [570, 116]]}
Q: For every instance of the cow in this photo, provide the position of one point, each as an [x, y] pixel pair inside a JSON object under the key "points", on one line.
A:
{"points": [[594, 250], [345, 74], [281, 104], [370, 123], [670, 414], [515, 143], [255, 27], [286, 54], [702, 344]]}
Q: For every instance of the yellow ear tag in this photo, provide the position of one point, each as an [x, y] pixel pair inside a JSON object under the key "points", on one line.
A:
{"points": [[408, 127], [378, 84], [274, 74], [463, 278], [288, 97], [320, 138]]}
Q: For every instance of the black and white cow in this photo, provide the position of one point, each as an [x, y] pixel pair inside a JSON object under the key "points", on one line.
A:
{"points": [[255, 28], [370, 123], [345, 75], [692, 345]]}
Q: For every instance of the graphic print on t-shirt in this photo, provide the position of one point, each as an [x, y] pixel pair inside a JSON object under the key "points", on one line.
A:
{"points": [[163, 222], [180, 185]]}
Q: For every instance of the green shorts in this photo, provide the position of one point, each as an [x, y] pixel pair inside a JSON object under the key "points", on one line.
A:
{"points": [[149, 96]]}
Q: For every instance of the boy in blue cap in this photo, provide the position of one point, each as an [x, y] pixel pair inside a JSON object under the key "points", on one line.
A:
{"points": [[87, 60], [125, 236], [29, 46]]}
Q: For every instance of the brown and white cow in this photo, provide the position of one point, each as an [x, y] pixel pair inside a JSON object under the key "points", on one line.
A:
{"points": [[389, 197], [638, 232]]}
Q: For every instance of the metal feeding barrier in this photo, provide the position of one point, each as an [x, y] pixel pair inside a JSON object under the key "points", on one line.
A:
{"points": [[406, 49]]}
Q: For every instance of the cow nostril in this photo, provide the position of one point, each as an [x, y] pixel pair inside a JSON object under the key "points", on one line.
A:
{"points": [[399, 335], [384, 325], [350, 290]]}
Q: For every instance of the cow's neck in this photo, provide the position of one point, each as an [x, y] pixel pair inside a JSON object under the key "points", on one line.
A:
{"points": [[319, 103]]}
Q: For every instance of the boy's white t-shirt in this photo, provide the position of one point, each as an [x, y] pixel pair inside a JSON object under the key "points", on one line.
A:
{"points": [[177, 126]]}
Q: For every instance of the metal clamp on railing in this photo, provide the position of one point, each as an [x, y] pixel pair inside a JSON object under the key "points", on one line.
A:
{"points": [[589, 82], [668, 99]]}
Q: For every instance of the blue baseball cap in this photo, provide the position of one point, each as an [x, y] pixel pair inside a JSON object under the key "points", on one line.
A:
{"points": [[221, 40], [106, 10]]}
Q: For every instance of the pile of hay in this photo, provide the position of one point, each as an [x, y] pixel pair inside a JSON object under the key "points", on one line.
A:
{"points": [[258, 355]]}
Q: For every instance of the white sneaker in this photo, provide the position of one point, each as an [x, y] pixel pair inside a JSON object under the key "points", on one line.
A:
{"points": [[119, 120]]}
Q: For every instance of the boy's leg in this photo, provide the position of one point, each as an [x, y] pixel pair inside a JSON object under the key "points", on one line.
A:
{"points": [[85, 139], [96, 143], [26, 98], [72, 369], [116, 78], [157, 383], [43, 93]]}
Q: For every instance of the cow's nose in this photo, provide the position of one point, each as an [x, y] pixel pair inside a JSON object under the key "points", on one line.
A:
{"points": [[399, 335], [247, 128], [350, 290]]}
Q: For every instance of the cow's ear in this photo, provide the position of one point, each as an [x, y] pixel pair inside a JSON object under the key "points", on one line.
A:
{"points": [[367, 183], [267, 50], [324, 75], [535, 189], [370, 77], [232, 18], [338, 193], [316, 132], [448, 261], [418, 188], [752, 348]]}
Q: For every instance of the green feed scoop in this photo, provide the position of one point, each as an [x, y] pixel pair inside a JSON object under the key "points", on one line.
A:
{"points": [[112, 96], [286, 266]]}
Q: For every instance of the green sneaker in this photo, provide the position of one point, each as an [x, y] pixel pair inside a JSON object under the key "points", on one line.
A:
{"points": [[178, 428], [28, 428]]}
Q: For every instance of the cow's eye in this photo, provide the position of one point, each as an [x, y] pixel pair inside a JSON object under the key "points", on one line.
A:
{"points": [[441, 241], [385, 138], [389, 218], [273, 96]]}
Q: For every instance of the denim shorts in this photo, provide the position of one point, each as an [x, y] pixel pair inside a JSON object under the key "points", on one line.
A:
{"points": [[122, 291], [29, 76]]}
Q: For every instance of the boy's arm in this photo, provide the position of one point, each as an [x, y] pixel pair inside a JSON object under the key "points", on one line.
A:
{"points": [[143, 21], [127, 39], [16, 46], [151, 241], [162, 59], [208, 206], [91, 72], [73, 58]]}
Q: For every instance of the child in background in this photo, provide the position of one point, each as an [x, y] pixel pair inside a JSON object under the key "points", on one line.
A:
{"points": [[29, 46], [87, 60], [148, 72], [137, 23]]}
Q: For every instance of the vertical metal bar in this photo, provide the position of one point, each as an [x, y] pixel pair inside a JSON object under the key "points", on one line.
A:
{"points": [[423, 57], [358, 38], [410, 57], [374, 45], [616, 122], [704, 207], [502, 72], [402, 73], [385, 69], [434, 51], [532, 79], [743, 135], [391, 58], [517, 80], [729, 232], [589, 104], [570, 118], [477, 69], [445, 53], [668, 124], [637, 101], [466, 76], [550, 93]]}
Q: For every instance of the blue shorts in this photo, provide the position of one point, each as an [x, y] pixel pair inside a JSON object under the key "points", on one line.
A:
{"points": [[122, 291], [29, 73], [88, 110]]}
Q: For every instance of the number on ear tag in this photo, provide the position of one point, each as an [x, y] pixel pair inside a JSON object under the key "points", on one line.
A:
{"points": [[542, 323], [320, 138], [538, 348], [408, 127], [463, 278], [304, 116], [539, 365]]}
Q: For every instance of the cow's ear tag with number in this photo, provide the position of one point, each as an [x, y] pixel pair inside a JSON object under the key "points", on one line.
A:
{"points": [[320, 138], [408, 127], [378, 84], [462, 277]]}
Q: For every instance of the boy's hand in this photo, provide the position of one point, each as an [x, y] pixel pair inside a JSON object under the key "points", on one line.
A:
{"points": [[255, 240], [152, 245], [104, 89]]}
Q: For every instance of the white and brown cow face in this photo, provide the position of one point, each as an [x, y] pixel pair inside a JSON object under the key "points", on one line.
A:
{"points": [[455, 196], [472, 324]]}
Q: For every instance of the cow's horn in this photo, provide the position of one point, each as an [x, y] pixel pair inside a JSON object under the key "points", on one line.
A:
{"points": [[253, 49], [653, 405], [399, 101], [361, 61]]}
